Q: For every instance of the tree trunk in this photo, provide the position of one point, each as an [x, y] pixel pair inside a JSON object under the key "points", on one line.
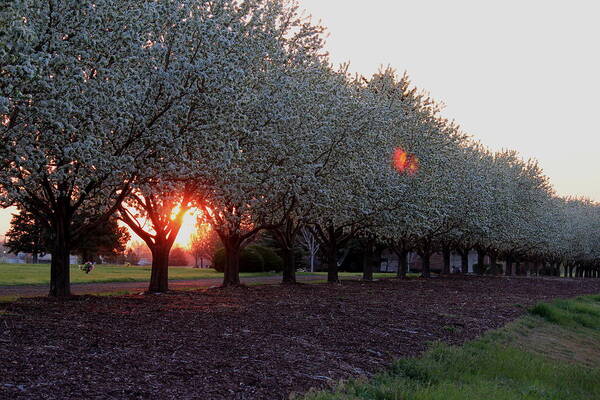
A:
{"points": [[493, 262], [34, 257], [464, 262], [60, 271], [509, 266], [426, 265], [332, 268], [368, 262], [232, 265], [402, 263], [286, 238], [446, 254], [159, 278], [289, 266], [480, 262]]}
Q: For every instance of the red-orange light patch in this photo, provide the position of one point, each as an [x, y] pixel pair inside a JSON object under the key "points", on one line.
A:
{"points": [[404, 162]]}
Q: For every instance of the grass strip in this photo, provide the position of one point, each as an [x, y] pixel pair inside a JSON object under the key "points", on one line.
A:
{"points": [[552, 353]]}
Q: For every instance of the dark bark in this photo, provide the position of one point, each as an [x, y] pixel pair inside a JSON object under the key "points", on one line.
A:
{"points": [[159, 277], [330, 239], [60, 271], [446, 254], [286, 235], [368, 259], [289, 266], [509, 266], [525, 268], [493, 262], [332, 267], [426, 264], [480, 262], [34, 258], [232, 264], [402, 263]]}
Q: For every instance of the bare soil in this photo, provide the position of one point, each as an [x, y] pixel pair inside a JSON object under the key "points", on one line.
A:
{"points": [[260, 342]]}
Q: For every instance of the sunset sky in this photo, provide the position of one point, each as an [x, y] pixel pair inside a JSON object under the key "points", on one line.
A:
{"points": [[515, 74]]}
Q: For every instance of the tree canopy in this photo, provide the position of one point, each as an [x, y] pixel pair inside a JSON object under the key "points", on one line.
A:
{"points": [[234, 108]]}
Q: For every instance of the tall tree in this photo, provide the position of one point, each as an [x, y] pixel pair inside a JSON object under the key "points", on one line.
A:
{"points": [[156, 217], [89, 92], [252, 187]]}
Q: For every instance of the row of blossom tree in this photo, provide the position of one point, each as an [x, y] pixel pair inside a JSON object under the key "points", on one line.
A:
{"points": [[146, 109]]}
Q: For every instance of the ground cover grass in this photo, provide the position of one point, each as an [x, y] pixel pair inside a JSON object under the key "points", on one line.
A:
{"points": [[39, 274], [553, 353]]}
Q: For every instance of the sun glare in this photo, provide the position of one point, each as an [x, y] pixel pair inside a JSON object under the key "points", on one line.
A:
{"points": [[188, 228], [404, 162]]}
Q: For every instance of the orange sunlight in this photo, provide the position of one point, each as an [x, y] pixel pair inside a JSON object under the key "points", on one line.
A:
{"points": [[188, 227], [404, 162]]}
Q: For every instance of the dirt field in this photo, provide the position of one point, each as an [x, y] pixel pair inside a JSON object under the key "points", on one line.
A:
{"points": [[262, 342]]}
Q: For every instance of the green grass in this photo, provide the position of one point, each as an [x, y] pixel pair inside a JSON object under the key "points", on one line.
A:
{"points": [[553, 353], [8, 299], [39, 274]]}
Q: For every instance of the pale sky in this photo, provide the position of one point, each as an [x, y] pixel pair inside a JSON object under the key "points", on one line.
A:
{"points": [[523, 75]]}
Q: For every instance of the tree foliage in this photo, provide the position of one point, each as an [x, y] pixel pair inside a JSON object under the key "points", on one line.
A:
{"points": [[233, 107]]}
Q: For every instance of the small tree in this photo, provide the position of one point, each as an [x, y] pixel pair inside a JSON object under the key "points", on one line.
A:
{"points": [[310, 243], [203, 244], [108, 240], [178, 257], [26, 235]]}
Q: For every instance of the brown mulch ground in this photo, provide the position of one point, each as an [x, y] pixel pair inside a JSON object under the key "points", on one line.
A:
{"points": [[250, 343]]}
